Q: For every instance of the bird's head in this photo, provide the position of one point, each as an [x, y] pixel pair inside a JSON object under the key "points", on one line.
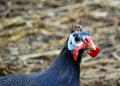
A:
{"points": [[81, 40]]}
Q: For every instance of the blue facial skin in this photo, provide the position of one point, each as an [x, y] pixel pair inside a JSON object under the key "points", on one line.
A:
{"points": [[76, 39]]}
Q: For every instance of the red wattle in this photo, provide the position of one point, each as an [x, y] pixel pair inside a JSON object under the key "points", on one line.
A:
{"points": [[76, 51], [94, 53]]}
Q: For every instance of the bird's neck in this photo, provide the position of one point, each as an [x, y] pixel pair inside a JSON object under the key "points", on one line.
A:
{"points": [[66, 68], [65, 59]]}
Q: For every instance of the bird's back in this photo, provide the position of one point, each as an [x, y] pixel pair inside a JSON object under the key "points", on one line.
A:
{"points": [[18, 80], [62, 73]]}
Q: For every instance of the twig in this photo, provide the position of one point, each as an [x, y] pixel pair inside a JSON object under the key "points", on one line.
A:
{"points": [[116, 56], [38, 55]]}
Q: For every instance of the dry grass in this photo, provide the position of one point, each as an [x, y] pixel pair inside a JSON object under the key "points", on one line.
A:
{"points": [[30, 30]]}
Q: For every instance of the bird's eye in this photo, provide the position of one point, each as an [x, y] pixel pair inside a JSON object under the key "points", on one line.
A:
{"points": [[77, 38]]}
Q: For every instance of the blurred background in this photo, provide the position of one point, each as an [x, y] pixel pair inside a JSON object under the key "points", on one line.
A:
{"points": [[33, 32]]}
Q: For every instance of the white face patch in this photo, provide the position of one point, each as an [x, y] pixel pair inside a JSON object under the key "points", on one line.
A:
{"points": [[73, 43]]}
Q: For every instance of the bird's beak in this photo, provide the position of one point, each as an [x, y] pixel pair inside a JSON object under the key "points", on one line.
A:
{"points": [[93, 50], [88, 44]]}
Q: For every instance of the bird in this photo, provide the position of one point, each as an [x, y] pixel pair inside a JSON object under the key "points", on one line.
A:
{"points": [[65, 70]]}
